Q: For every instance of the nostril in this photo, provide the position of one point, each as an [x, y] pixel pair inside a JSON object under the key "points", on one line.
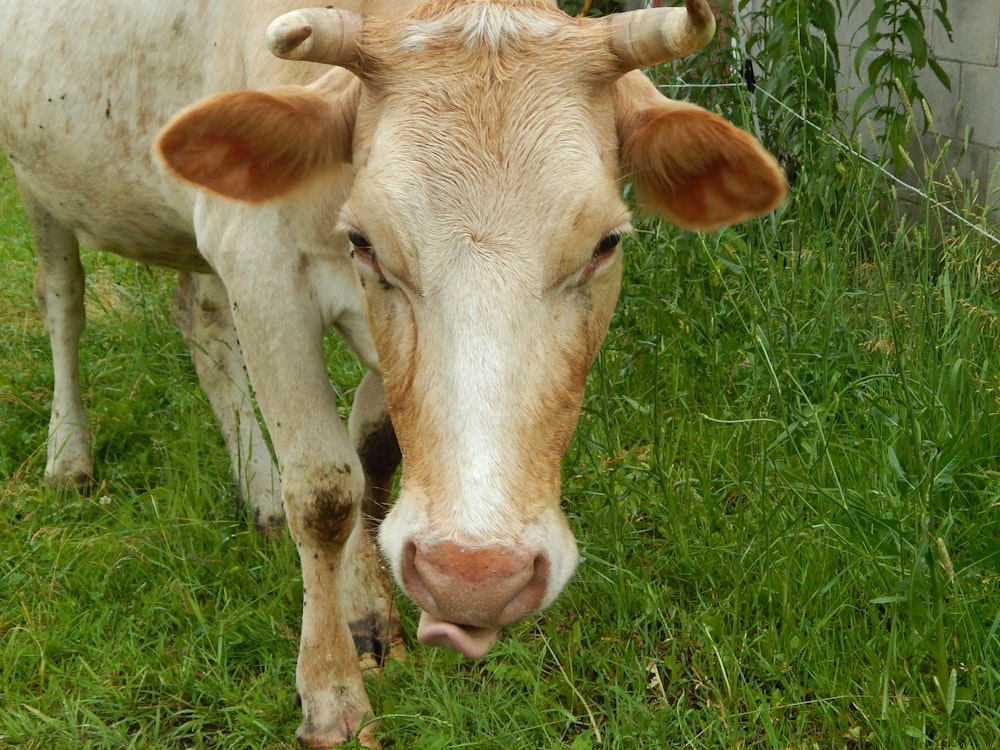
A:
{"points": [[412, 581]]}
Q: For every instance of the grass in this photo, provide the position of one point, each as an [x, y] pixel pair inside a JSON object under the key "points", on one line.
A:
{"points": [[785, 481]]}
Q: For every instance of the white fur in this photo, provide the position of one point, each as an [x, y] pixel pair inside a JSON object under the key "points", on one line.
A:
{"points": [[490, 25]]}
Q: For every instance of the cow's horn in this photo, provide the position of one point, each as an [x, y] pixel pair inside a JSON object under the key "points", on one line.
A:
{"points": [[647, 37], [324, 35]]}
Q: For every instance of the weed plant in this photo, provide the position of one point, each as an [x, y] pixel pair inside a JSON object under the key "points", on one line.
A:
{"points": [[785, 482]]}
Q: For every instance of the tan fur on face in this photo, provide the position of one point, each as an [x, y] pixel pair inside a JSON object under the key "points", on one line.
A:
{"points": [[496, 173]]}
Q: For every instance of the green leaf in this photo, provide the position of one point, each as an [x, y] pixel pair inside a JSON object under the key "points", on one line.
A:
{"points": [[947, 474], [889, 599], [862, 51], [874, 18], [897, 467], [942, 16], [939, 72], [857, 112], [914, 33], [875, 66], [824, 18]]}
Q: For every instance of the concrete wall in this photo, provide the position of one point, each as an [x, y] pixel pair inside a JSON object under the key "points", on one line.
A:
{"points": [[970, 112], [968, 115]]}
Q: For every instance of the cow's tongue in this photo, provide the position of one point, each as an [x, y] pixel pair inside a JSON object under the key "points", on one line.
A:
{"points": [[473, 643]]}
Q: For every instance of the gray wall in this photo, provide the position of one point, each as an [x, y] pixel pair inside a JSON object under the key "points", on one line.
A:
{"points": [[970, 112], [968, 115]]}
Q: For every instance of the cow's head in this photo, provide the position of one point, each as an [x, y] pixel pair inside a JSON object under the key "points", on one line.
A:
{"points": [[488, 141]]}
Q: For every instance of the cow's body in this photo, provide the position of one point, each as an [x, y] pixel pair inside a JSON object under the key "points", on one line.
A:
{"points": [[471, 155]]}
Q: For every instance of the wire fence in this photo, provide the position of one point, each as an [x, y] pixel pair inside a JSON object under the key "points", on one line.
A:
{"points": [[847, 148], [749, 89]]}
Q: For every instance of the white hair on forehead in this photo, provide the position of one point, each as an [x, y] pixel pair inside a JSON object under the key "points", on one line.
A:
{"points": [[489, 24]]}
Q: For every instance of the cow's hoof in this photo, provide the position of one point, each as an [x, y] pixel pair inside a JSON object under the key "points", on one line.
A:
{"points": [[79, 481], [269, 523], [377, 641], [271, 528], [309, 738]]}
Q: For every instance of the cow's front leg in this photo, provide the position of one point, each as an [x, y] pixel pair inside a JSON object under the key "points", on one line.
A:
{"points": [[322, 485], [323, 509]]}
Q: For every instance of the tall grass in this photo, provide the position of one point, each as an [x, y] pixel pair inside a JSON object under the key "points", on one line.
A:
{"points": [[785, 482]]}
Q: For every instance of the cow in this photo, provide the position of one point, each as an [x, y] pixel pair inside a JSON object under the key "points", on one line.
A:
{"points": [[442, 184]]}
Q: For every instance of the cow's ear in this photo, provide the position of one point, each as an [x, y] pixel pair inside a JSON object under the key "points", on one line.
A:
{"points": [[257, 146], [692, 166]]}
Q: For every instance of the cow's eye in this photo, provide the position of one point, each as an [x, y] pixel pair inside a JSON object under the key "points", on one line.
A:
{"points": [[362, 249], [602, 251], [607, 245], [364, 253], [359, 241]]}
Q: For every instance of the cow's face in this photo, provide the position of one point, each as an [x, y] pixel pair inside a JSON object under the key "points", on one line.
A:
{"points": [[485, 215]]}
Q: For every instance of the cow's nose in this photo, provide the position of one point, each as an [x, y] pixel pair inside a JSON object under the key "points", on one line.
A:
{"points": [[475, 587]]}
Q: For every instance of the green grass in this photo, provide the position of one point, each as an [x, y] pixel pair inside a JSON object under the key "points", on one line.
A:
{"points": [[786, 484]]}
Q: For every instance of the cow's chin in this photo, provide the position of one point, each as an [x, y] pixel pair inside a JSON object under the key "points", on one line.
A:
{"points": [[471, 642]]}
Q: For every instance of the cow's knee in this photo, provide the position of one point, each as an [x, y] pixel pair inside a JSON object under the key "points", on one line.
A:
{"points": [[322, 505], [343, 577]]}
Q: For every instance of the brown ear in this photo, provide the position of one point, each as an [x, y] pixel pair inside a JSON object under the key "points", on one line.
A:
{"points": [[257, 146], [695, 168]]}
